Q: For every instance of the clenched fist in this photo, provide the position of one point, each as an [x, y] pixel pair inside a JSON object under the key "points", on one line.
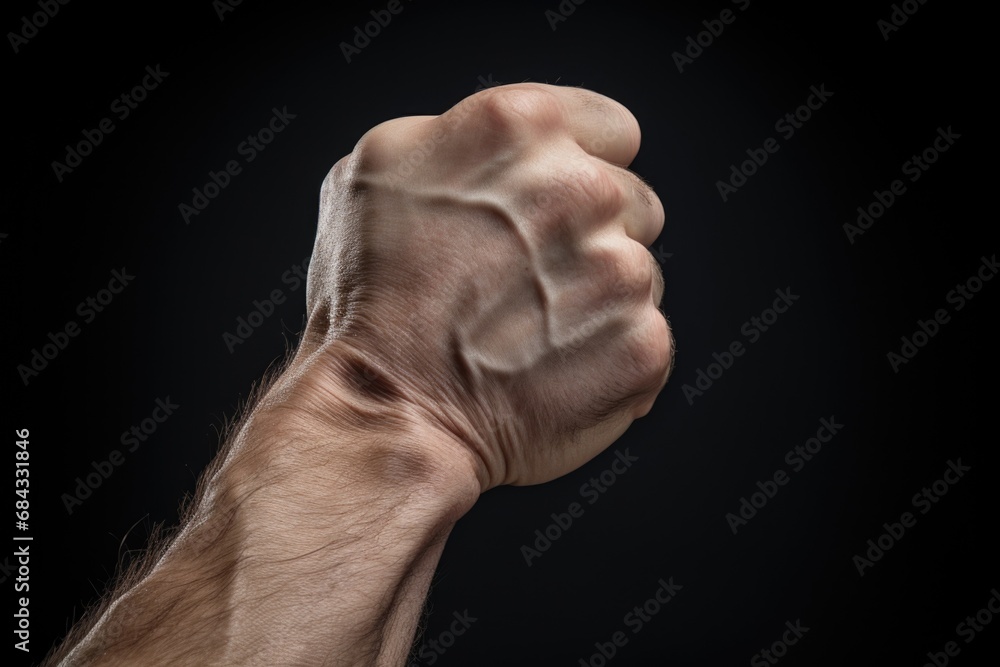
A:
{"points": [[482, 311], [488, 268]]}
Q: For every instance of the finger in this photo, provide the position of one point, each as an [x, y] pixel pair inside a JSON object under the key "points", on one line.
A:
{"points": [[642, 216], [668, 344], [600, 125], [659, 283]]}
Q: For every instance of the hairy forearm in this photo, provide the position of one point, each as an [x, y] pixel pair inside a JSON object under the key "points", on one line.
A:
{"points": [[314, 540]]}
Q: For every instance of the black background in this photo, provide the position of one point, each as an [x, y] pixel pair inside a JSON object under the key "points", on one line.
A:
{"points": [[665, 517]]}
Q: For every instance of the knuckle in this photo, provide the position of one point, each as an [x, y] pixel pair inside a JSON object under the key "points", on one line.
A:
{"points": [[397, 149], [372, 153], [340, 183], [626, 284], [587, 178], [581, 191], [614, 282], [336, 175], [515, 109], [627, 274], [595, 189]]}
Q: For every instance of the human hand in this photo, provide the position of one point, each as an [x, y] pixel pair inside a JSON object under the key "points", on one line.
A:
{"points": [[487, 269]]}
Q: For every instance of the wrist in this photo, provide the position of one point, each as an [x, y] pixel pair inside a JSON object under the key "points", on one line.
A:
{"points": [[332, 494], [335, 409]]}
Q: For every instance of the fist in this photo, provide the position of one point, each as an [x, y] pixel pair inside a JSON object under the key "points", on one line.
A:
{"points": [[490, 267]]}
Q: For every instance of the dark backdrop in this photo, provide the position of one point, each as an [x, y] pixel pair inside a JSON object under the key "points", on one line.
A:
{"points": [[696, 455]]}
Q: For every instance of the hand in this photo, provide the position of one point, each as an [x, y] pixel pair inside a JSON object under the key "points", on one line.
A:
{"points": [[482, 311], [488, 269]]}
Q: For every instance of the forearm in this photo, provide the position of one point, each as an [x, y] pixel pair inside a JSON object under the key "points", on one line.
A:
{"points": [[315, 540]]}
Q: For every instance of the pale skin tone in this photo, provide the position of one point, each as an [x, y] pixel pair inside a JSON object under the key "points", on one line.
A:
{"points": [[490, 316]]}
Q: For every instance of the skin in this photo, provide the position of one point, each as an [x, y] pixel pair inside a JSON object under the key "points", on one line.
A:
{"points": [[489, 316]]}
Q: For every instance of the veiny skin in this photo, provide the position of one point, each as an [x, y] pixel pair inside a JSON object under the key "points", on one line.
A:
{"points": [[482, 311], [504, 284]]}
